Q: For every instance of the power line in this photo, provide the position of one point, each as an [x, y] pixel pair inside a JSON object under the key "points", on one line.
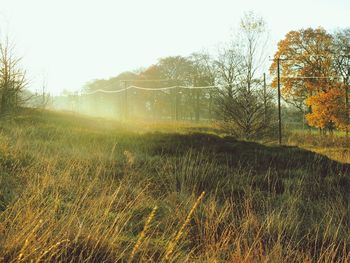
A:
{"points": [[147, 80], [190, 87], [155, 89], [104, 91]]}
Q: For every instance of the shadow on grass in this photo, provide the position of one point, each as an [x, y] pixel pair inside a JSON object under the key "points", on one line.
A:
{"points": [[258, 156], [239, 165]]}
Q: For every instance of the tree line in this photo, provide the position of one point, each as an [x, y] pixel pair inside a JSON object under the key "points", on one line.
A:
{"points": [[315, 76]]}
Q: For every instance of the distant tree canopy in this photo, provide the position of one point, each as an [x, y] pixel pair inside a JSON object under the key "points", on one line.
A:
{"points": [[110, 84], [176, 103]]}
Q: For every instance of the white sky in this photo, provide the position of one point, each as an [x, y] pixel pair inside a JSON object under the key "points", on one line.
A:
{"points": [[75, 41]]}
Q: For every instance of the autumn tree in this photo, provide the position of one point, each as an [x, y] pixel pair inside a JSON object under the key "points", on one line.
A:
{"points": [[328, 110], [308, 74]]}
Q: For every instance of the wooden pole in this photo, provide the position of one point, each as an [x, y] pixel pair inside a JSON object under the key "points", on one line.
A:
{"points": [[176, 103], [125, 101], [197, 106], [347, 107], [265, 100], [279, 103]]}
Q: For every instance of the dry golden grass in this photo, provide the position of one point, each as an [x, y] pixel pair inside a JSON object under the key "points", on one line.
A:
{"points": [[79, 190], [336, 147]]}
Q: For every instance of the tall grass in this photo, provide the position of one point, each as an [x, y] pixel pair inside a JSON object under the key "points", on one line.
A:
{"points": [[334, 146], [75, 189]]}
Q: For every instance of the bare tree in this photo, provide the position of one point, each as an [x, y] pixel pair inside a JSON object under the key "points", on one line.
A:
{"points": [[40, 99], [253, 38], [12, 78], [45, 96], [244, 105], [228, 65]]}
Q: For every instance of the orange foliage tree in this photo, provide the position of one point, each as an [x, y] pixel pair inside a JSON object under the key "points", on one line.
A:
{"points": [[328, 110], [309, 78]]}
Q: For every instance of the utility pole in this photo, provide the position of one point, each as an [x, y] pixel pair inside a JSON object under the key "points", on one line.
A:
{"points": [[125, 101], [345, 82], [265, 99], [347, 109], [279, 103], [177, 103], [43, 95], [197, 105]]}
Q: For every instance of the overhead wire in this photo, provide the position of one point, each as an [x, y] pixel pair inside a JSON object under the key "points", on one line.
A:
{"points": [[184, 87], [154, 89]]}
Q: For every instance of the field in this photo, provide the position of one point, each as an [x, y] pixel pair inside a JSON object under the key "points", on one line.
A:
{"points": [[76, 189]]}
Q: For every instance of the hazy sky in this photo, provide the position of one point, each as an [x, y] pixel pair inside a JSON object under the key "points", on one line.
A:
{"points": [[75, 41]]}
